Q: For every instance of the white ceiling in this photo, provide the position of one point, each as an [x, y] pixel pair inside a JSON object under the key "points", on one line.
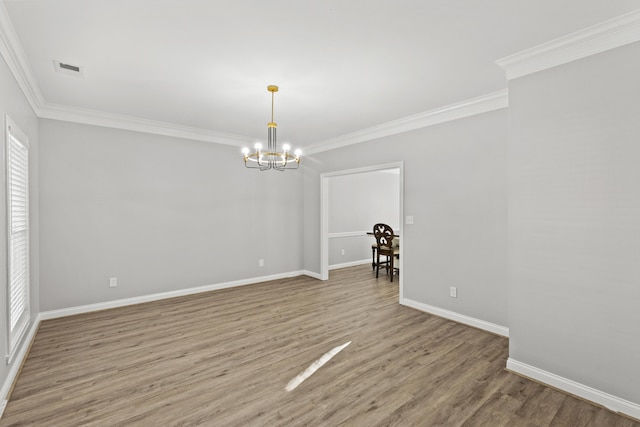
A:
{"points": [[342, 65]]}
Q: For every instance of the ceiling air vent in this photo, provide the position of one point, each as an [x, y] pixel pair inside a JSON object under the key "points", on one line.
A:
{"points": [[67, 68]]}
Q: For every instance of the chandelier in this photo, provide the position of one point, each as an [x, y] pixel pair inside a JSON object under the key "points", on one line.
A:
{"points": [[271, 158]]}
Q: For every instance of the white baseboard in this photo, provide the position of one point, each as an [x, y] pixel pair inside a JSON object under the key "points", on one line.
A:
{"points": [[52, 314], [350, 264], [312, 274], [609, 401], [457, 317], [17, 362]]}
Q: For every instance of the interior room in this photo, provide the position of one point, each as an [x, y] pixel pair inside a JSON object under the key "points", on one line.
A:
{"points": [[499, 139], [357, 200]]}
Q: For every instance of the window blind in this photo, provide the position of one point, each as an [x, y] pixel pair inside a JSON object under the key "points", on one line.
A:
{"points": [[17, 182]]}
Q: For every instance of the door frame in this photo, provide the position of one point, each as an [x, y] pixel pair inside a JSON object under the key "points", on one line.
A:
{"points": [[324, 215]]}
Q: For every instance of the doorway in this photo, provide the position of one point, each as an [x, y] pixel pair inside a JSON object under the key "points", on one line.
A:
{"points": [[325, 203]]}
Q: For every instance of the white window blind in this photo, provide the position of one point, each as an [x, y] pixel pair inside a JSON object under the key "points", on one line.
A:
{"points": [[17, 182]]}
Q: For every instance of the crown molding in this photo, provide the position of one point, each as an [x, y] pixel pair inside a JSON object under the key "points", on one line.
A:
{"points": [[98, 118], [470, 107], [598, 38], [607, 35], [13, 54], [482, 104], [12, 51]]}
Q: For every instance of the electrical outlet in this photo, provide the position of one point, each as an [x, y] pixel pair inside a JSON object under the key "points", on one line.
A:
{"points": [[409, 219], [113, 282], [260, 263], [343, 252], [453, 292]]}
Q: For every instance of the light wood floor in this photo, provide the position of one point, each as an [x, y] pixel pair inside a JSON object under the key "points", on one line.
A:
{"points": [[224, 358]]}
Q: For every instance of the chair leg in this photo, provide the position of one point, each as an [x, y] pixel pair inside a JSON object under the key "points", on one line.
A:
{"points": [[392, 258], [378, 264], [373, 258]]}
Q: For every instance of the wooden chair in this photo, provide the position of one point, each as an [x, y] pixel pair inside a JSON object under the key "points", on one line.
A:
{"points": [[385, 247]]}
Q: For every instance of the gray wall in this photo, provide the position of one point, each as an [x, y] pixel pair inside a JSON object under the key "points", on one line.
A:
{"points": [[455, 187], [574, 221], [358, 201], [356, 249], [158, 213], [14, 103]]}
